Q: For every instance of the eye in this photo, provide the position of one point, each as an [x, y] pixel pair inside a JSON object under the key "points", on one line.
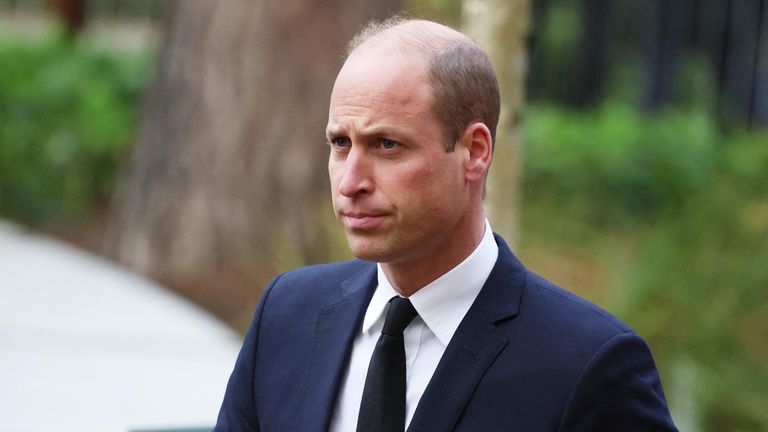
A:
{"points": [[388, 144], [340, 142]]}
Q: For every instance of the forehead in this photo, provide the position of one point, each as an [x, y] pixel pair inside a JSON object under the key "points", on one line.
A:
{"points": [[388, 76], [381, 85]]}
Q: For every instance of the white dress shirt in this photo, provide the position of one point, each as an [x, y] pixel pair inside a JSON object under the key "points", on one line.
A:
{"points": [[441, 305]]}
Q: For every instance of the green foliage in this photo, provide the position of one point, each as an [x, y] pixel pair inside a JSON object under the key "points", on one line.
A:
{"points": [[704, 277], [694, 204], [615, 165], [67, 112]]}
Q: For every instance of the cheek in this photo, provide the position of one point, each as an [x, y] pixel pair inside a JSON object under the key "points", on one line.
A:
{"points": [[333, 179], [333, 175], [432, 191]]}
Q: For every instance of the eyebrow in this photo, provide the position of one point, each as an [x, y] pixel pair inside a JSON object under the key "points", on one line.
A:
{"points": [[381, 131], [332, 130]]}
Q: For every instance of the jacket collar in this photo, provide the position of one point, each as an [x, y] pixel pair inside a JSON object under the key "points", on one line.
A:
{"points": [[474, 347], [337, 323]]}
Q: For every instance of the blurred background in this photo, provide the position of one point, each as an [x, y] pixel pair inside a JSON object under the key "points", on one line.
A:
{"points": [[184, 141]]}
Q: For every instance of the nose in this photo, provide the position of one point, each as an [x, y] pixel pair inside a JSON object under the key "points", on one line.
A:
{"points": [[355, 174]]}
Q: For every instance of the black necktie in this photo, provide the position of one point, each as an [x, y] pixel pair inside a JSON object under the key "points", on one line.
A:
{"points": [[383, 406]]}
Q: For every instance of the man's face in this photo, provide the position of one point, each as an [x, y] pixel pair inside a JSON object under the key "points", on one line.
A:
{"points": [[398, 194]]}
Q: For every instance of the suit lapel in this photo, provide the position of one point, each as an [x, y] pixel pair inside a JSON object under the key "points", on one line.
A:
{"points": [[337, 324], [473, 348]]}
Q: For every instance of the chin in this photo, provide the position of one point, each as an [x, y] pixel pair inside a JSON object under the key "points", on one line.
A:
{"points": [[365, 254], [367, 249]]}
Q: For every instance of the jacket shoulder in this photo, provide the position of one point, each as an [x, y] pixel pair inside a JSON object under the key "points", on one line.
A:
{"points": [[573, 315]]}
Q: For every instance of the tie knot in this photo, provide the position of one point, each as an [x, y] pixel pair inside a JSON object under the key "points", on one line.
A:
{"points": [[401, 312]]}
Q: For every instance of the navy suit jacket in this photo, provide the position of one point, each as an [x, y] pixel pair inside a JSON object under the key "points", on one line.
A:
{"points": [[528, 356]]}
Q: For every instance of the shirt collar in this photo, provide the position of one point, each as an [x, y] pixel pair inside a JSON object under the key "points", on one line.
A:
{"points": [[443, 302]]}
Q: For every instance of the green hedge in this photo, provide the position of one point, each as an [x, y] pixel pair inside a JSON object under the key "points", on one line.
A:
{"points": [[622, 164], [67, 111], [693, 205]]}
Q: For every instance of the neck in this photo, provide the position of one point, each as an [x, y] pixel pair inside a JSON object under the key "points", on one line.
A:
{"points": [[409, 276]]}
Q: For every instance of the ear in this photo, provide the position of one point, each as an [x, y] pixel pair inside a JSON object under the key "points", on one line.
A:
{"points": [[478, 145]]}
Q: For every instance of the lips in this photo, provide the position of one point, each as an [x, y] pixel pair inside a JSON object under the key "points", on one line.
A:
{"points": [[362, 221]]}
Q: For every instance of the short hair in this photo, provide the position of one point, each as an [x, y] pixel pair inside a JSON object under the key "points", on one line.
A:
{"points": [[464, 84]]}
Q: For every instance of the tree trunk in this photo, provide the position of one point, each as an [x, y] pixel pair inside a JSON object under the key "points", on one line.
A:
{"points": [[228, 182], [501, 27], [71, 14]]}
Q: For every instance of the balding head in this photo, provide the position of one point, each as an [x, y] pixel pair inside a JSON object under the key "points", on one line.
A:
{"points": [[464, 84], [426, 37]]}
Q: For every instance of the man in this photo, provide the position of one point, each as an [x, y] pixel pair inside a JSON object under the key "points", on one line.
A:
{"points": [[448, 331]]}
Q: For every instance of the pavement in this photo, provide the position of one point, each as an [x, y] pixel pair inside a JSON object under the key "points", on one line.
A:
{"points": [[88, 346]]}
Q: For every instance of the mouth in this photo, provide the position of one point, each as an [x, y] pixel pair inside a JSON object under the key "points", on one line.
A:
{"points": [[361, 221]]}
